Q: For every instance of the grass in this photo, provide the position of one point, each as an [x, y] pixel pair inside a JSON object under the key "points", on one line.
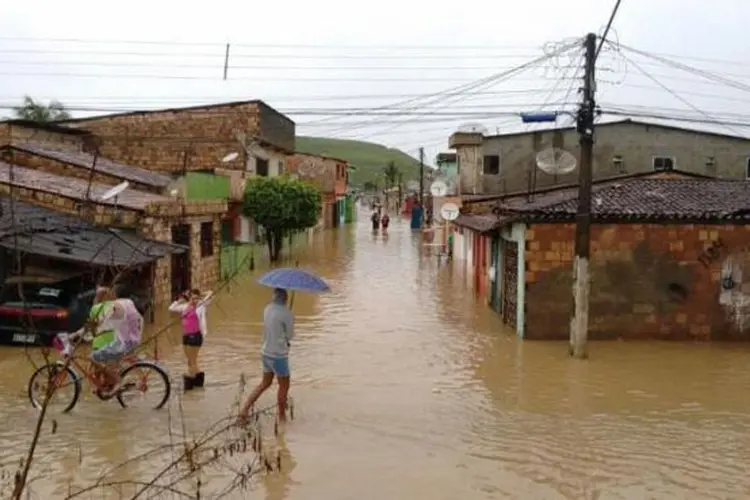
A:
{"points": [[369, 158]]}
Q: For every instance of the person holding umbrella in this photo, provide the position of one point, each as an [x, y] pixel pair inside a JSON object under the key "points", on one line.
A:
{"points": [[278, 332]]}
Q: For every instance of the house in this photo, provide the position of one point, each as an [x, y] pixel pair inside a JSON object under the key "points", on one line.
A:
{"points": [[209, 149], [668, 251], [331, 176], [70, 181], [41, 238], [506, 163]]}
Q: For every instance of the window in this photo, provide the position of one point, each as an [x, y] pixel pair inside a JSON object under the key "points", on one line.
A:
{"points": [[492, 165], [207, 239], [227, 230], [663, 163], [261, 167]]}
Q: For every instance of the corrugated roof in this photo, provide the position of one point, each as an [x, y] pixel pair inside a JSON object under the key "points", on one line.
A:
{"points": [[105, 165], [70, 187], [41, 231], [649, 198], [482, 223]]}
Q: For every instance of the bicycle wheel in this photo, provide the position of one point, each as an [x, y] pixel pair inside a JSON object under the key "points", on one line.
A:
{"points": [[64, 377], [138, 379]]}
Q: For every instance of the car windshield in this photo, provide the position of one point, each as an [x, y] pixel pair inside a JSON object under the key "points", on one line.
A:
{"points": [[35, 295]]}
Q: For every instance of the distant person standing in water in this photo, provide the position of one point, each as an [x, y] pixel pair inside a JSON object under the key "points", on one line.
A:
{"points": [[192, 308], [375, 219], [278, 332], [384, 221]]}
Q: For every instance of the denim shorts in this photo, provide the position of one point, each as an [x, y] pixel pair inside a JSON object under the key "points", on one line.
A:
{"points": [[277, 366], [112, 352]]}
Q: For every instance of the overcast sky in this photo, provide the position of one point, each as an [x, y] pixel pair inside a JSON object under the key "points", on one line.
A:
{"points": [[306, 58]]}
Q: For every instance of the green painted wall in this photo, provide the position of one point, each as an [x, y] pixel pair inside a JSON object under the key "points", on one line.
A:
{"points": [[202, 186], [349, 209]]}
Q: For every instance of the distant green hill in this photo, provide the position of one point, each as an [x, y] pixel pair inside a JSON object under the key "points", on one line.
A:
{"points": [[369, 158]]}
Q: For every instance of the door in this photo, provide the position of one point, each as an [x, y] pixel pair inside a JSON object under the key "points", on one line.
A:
{"points": [[494, 259], [510, 282], [181, 261]]}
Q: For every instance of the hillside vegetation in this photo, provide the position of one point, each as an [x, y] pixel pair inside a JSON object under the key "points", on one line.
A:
{"points": [[368, 158]]}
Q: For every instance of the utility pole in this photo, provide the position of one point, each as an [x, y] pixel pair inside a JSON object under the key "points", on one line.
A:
{"points": [[579, 324], [421, 177]]}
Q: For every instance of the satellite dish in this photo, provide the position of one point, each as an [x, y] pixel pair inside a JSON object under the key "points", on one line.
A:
{"points": [[230, 157], [438, 188], [473, 128], [115, 191], [555, 161], [449, 211]]}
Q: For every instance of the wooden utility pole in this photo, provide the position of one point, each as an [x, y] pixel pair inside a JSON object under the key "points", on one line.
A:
{"points": [[579, 324], [421, 177]]}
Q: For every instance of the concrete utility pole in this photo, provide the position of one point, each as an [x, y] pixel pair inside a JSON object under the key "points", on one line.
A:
{"points": [[421, 177], [579, 324]]}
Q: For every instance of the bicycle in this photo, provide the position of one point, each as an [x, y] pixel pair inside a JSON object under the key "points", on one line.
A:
{"points": [[67, 372]]}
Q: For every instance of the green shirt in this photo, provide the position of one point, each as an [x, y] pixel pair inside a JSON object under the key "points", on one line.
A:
{"points": [[105, 337]]}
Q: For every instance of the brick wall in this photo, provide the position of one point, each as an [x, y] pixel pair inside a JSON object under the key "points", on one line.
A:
{"points": [[647, 281], [635, 143], [317, 170], [16, 134], [205, 271], [158, 140], [37, 162]]}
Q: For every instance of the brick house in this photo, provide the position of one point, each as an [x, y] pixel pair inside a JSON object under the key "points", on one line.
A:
{"points": [[506, 163], [667, 258], [191, 143], [331, 176], [55, 173]]}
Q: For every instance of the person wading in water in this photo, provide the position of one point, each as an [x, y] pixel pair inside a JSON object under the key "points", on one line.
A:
{"points": [[278, 331], [192, 307], [375, 219], [384, 221]]}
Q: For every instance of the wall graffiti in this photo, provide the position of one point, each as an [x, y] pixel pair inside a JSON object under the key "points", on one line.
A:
{"points": [[712, 253], [734, 293]]}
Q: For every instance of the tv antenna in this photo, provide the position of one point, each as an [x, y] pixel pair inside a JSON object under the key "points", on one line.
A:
{"points": [[473, 128], [556, 161]]}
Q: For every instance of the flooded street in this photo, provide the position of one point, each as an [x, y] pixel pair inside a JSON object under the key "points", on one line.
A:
{"points": [[406, 388]]}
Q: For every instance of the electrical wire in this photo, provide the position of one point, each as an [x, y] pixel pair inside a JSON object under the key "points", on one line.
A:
{"points": [[606, 30], [493, 80], [672, 92]]}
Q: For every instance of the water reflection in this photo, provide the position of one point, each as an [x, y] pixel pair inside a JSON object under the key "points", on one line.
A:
{"points": [[405, 387]]}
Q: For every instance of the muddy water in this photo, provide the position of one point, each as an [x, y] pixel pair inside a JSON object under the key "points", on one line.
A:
{"points": [[406, 388]]}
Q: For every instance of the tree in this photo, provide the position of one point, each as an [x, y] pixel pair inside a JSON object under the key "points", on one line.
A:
{"points": [[281, 205], [391, 174], [38, 112], [370, 186]]}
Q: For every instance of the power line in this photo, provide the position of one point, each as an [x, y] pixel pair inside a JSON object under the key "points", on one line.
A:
{"points": [[258, 44], [606, 30]]}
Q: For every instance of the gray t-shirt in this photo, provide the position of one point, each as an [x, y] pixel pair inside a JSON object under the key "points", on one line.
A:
{"points": [[278, 330]]}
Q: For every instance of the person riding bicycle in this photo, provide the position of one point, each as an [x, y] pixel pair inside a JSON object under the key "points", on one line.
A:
{"points": [[124, 319], [102, 302]]}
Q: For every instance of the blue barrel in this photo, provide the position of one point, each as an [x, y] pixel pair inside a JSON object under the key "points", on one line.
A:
{"points": [[416, 217]]}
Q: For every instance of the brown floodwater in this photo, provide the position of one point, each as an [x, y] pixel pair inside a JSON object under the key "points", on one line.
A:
{"points": [[405, 387]]}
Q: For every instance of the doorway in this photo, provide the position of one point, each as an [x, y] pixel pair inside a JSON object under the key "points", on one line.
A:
{"points": [[510, 282], [181, 261]]}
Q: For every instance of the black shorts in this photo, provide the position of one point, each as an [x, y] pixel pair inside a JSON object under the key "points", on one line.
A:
{"points": [[193, 339]]}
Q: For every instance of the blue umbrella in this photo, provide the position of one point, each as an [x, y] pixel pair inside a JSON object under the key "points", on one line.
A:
{"points": [[294, 279]]}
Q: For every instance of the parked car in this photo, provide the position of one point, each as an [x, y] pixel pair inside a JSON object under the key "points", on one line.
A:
{"points": [[33, 309]]}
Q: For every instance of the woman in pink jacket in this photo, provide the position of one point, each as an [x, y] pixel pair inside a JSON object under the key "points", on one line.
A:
{"points": [[192, 307]]}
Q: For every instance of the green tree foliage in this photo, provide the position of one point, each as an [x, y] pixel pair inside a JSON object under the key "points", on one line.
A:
{"points": [[391, 174], [281, 205], [370, 186], [38, 112]]}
